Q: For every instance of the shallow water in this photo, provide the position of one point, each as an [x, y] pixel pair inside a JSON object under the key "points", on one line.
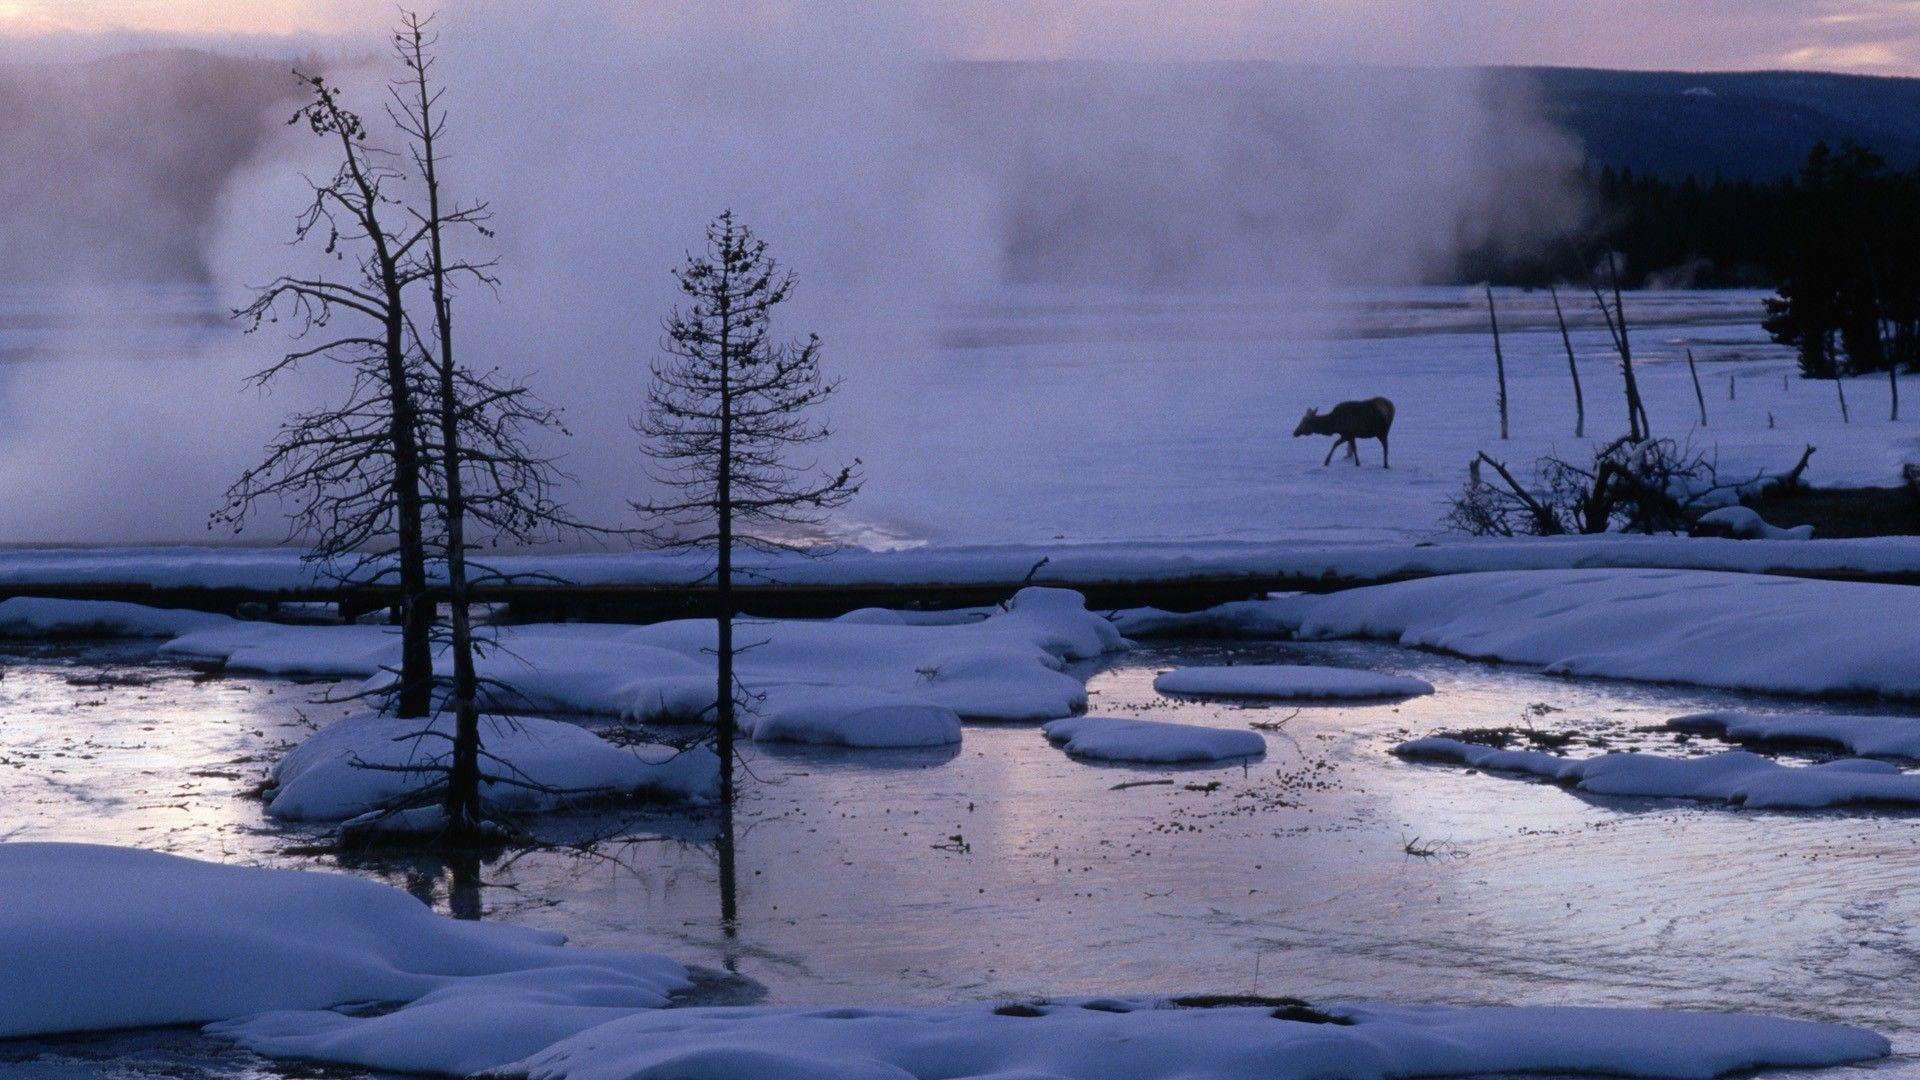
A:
{"points": [[1006, 869]]}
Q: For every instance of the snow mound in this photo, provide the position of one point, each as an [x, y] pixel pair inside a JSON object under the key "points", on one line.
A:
{"points": [[1151, 1041], [1061, 624], [1868, 736], [97, 938], [1740, 631], [272, 649], [1006, 665], [1742, 523], [1150, 741], [550, 670], [874, 616], [1288, 681], [1238, 618], [1735, 777], [322, 779], [850, 716], [37, 616]]}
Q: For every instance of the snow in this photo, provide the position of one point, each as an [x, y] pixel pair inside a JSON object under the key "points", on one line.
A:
{"points": [[1286, 681], [851, 716], [1735, 777], [273, 649], [1236, 618], [35, 616], [1003, 667], [1149, 1040], [472, 1025], [323, 779], [1743, 523], [1167, 413], [1739, 631], [1150, 741], [1069, 563], [1868, 736], [99, 937]]}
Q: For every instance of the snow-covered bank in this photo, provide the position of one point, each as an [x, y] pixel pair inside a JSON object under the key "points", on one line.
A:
{"points": [[1735, 777], [1146, 1040], [369, 762], [1288, 681], [36, 616], [1068, 564], [1150, 742], [1868, 736], [1005, 667], [99, 937], [1738, 631]]}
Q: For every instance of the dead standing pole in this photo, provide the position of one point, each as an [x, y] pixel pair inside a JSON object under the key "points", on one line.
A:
{"points": [[1499, 360], [1573, 369], [1638, 427], [1697, 395]]}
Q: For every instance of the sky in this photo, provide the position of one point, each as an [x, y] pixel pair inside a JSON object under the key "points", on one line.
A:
{"points": [[1865, 36]]}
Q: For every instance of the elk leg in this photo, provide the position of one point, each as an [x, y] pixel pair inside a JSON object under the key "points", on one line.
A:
{"points": [[1330, 451], [1353, 448], [1384, 463]]}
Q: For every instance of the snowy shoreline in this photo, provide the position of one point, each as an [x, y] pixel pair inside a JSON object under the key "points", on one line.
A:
{"points": [[200, 942], [282, 569]]}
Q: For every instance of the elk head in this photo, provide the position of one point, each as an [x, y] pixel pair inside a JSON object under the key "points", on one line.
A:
{"points": [[1306, 423]]}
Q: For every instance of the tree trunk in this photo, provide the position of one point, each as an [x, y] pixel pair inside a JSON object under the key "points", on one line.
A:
{"points": [[416, 607], [464, 812], [1636, 408], [723, 504], [1579, 401], [1499, 363], [1697, 395]]}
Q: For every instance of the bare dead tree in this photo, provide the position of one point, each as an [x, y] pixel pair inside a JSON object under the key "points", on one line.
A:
{"points": [[1499, 359], [1573, 369], [352, 474], [429, 458], [727, 411], [1638, 426], [489, 483]]}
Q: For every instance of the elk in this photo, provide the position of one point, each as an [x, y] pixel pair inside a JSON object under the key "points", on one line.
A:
{"points": [[1348, 421]]}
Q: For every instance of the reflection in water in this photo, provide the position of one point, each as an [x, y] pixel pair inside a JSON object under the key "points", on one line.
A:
{"points": [[1289, 875], [723, 848]]}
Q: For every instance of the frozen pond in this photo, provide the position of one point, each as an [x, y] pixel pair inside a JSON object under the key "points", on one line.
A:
{"points": [[1003, 868]]}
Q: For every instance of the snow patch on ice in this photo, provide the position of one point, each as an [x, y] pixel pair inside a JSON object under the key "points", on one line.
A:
{"points": [[1288, 681], [850, 716], [1150, 741], [1149, 1040], [1869, 736], [326, 779], [1735, 777]]}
